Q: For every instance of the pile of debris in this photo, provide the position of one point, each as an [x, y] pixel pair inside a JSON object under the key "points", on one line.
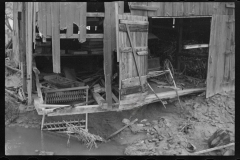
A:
{"points": [[199, 125]]}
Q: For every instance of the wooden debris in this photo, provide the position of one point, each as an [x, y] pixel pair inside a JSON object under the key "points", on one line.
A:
{"points": [[213, 149], [84, 136], [14, 69], [131, 123]]}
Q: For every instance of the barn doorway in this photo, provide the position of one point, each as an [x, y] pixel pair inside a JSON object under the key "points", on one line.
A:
{"points": [[185, 43]]}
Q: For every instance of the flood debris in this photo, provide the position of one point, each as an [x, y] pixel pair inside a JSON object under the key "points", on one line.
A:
{"points": [[189, 134], [83, 136]]}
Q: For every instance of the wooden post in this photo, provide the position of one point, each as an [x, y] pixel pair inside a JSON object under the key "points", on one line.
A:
{"points": [[29, 50], [107, 48], [23, 46], [180, 30]]}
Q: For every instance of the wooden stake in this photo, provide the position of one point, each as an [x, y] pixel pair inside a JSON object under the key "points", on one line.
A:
{"points": [[213, 149], [131, 123]]}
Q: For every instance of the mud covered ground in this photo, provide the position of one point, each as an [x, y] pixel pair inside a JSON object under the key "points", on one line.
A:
{"points": [[158, 131]]}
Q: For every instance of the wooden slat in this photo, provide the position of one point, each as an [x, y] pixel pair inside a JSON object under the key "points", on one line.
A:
{"points": [[89, 36], [113, 26], [153, 13], [115, 98], [44, 19], [76, 19], [55, 8], [95, 14], [70, 17], [134, 28], [49, 19], [117, 29], [99, 99], [144, 8], [63, 10], [130, 82], [108, 53], [168, 8], [129, 49], [139, 12], [134, 22], [23, 46], [40, 16], [29, 50], [217, 52], [82, 27], [34, 24]]}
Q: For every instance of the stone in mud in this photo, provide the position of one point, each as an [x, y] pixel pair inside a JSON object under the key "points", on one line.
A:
{"points": [[144, 120], [154, 122], [26, 126], [148, 124], [140, 125], [126, 121]]}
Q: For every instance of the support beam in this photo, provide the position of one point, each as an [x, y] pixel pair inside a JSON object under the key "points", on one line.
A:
{"points": [[29, 50], [107, 48], [180, 31]]}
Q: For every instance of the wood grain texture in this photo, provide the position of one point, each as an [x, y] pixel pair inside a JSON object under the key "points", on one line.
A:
{"points": [[44, 19], [29, 50], [138, 12], [55, 8], [184, 9], [70, 18], [108, 52], [34, 24], [134, 28], [82, 22], [63, 13], [134, 81], [40, 16], [220, 56], [127, 67], [49, 19]]}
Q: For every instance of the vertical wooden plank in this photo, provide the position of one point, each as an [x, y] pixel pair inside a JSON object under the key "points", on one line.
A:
{"points": [[34, 24], [107, 53], [23, 47], [40, 16], [83, 22], [70, 17], [76, 19], [44, 20], [196, 8], [117, 28], [221, 54], [55, 8], [139, 12], [160, 11], [49, 19], [216, 54], [153, 13], [187, 8], [63, 12], [29, 51], [168, 8]]}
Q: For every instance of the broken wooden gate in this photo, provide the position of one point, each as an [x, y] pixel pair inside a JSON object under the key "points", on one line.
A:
{"points": [[221, 61], [132, 59]]}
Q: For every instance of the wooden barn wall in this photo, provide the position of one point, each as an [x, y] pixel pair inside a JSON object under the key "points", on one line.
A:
{"points": [[183, 8], [53, 16], [15, 36], [221, 63]]}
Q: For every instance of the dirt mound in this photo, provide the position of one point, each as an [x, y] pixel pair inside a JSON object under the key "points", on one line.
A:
{"points": [[11, 109], [197, 122]]}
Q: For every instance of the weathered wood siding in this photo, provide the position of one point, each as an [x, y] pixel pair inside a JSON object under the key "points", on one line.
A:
{"points": [[127, 66], [221, 63], [15, 36], [184, 8]]}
